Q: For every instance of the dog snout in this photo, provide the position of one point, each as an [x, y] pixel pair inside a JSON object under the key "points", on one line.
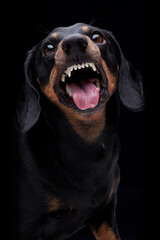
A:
{"points": [[76, 43]]}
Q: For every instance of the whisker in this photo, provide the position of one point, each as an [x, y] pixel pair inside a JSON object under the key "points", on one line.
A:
{"points": [[93, 20], [43, 30]]}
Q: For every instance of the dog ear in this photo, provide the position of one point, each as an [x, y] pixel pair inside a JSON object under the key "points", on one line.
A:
{"points": [[130, 85], [28, 107]]}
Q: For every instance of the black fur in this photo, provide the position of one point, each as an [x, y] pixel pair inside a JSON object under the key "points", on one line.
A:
{"points": [[55, 162]]}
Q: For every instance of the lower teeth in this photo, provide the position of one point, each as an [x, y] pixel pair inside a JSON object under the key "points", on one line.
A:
{"points": [[97, 84], [68, 91]]}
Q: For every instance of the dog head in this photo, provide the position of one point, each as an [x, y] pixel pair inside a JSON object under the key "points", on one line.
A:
{"points": [[78, 68]]}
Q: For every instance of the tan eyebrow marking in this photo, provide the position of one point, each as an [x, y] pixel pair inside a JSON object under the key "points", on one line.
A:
{"points": [[54, 35], [85, 28], [53, 203]]}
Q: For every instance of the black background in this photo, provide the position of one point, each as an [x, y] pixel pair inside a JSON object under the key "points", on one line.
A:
{"points": [[29, 22]]}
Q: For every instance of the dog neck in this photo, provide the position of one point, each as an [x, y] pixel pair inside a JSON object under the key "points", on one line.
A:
{"points": [[88, 129]]}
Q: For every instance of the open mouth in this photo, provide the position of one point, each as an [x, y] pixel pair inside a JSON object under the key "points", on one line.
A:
{"points": [[82, 86]]}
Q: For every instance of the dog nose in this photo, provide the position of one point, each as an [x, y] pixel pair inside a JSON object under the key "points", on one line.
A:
{"points": [[74, 44]]}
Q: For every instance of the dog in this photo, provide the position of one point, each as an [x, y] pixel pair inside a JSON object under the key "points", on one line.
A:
{"points": [[67, 142]]}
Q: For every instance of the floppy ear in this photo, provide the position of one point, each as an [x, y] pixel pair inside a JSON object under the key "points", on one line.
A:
{"points": [[28, 107], [129, 83], [130, 86]]}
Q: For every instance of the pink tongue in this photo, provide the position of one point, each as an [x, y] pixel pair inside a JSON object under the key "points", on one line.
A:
{"points": [[85, 94]]}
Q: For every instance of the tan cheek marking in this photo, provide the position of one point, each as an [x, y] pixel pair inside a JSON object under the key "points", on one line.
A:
{"points": [[112, 80], [85, 28], [48, 89], [104, 232]]}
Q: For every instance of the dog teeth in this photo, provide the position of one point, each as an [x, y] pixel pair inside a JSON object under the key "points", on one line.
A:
{"points": [[63, 78], [68, 91], [83, 65], [79, 66], [93, 66], [97, 83], [75, 67], [68, 71]]}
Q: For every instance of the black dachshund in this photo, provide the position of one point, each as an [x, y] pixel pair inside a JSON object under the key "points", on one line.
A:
{"points": [[67, 143]]}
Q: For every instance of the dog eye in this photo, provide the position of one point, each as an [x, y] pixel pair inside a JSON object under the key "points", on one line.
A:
{"points": [[49, 49], [97, 38]]}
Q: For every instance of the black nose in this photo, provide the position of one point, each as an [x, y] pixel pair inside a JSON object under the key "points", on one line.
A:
{"points": [[74, 43]]}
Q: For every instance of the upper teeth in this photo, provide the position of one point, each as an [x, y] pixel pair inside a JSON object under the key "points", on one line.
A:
{"points": [[69, 70]]}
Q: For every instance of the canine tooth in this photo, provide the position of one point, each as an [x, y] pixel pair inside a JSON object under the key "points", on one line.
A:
{"points": [[70, 69], [68, 91], [97, 84], [63, 78], [94, 67], [69, 72]]}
